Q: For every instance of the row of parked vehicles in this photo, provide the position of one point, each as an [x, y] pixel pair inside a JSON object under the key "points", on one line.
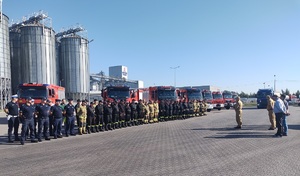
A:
{"points": [[215, 99]]}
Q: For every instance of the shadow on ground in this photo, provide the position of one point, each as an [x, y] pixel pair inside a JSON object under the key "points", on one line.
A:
{"points": [[294, 127]]}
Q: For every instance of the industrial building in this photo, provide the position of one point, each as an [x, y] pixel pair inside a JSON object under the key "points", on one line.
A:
{"points": [[5, 70], [38, 55], [120, 72]]}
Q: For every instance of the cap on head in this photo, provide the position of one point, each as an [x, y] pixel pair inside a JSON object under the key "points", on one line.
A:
{"points": [[14, 96], [32, 100], [28, 98], [44, 98], [70, 99], [48, 101], [276, 94], [57, 100], [78, 100], [95, 100]]}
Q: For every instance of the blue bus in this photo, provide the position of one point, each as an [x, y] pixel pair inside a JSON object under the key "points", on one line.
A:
{"points": [[262, 97]]}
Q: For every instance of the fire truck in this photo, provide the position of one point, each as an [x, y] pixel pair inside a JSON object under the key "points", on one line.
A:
{"points": [[218, 100], [38, 91], [207, 95], [228, 99], [189, 94], [111, 93], [158, 93]]}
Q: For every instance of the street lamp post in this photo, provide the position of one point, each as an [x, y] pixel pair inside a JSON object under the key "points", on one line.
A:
{"points": [[274, 83], [174, 68]]}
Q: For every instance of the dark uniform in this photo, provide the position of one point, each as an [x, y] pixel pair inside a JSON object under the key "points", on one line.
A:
{"points": [[99, 116], [77, 106], [13, 120], [122, 113], [43, 111], [127, 114], [108, 116], [27, 112], [115, 115], [90, 118], [69, 111], [162, 110], [141, 112], [57, 113], [134, 114]]}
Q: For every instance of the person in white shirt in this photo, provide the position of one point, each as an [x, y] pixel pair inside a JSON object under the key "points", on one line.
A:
{"points": [[280, 111]]}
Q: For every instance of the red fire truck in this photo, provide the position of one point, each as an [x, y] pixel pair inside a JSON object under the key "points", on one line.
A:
{"points": [[111, 93], [218, 100], [228, 99], [207, 95], [158, 93], [189, 94], [38, 91]]}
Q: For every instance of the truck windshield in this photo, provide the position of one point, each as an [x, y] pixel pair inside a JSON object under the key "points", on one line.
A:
{"points": [[263, 93], [207, 95], [227, 96], [194, 95], [118, 93], [217, 96], [33, 92], [166, 95]]}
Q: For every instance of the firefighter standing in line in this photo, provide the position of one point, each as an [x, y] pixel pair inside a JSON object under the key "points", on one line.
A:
{"points": [[27, 113], [115, 115], [90, 118], [57, 112], [82, 113], [162, 110], [141, 112], [12, 111], [238, 110], [134, 113], [43, 112], [151, 111], [69, 112], [204, 107], [76, 108], [171, 109], [147, 113], [122, 113], [50, 119], [156, 111], [99, 116], [167, 110], [127, 114], [270, 108], [107, 111]]}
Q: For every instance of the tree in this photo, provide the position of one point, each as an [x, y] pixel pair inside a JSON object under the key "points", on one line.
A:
{"points": [[298, 93], [286, 92], [243, 95]]}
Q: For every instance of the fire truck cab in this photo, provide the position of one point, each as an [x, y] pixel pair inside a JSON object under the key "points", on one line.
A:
{"points": [[38, 91], [111, 93], [218, 100], [159, 93], [228, 99], [188, 94], [207, 95]]}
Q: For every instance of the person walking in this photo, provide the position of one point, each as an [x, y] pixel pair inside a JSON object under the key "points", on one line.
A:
{"points": [[284, 123]]}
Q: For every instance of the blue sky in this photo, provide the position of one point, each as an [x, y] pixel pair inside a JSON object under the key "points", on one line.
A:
{"points": [[233, 44]]}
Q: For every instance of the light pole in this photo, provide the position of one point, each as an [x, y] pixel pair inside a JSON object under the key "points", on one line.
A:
{"points": [[264, 85], [174, 68], [274, 83]]}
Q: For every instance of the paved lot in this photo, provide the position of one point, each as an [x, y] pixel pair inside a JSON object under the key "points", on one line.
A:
{"points": [[199, 146]]}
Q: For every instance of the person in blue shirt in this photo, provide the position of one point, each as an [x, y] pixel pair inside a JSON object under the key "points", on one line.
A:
{"points": [[12, 111], [43, 112], [57, 112], [27, 114], [284, 123], [69, 112], [280, 111]]}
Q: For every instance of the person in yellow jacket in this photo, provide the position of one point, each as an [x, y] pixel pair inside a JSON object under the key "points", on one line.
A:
{"points": [[82, 113], [156, 111], [270, 107], [238, 111], [151, 111], [147, 112]]}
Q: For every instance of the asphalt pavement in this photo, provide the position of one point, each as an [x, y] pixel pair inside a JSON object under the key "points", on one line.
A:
{"points": [[207, 145]]}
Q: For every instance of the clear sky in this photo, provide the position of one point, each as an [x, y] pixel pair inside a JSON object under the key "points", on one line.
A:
{"points": [[233, 44]]}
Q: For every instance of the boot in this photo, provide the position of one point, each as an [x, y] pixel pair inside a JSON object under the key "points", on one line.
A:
{"points": [[97, 129], [93, 129], [84, 130], [109, 127], [106, 127], [101, 128], [80, 131], [88, 130]]}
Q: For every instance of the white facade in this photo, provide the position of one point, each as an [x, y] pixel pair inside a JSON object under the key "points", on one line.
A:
{"points": [[120, 72]]}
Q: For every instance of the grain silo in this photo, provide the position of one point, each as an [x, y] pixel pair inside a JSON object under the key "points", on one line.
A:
{"points": [[5, 70], [32, 46], [74, 66]]}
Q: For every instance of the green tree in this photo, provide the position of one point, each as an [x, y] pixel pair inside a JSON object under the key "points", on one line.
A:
{"points": [[297, 93], [243, 95]]}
